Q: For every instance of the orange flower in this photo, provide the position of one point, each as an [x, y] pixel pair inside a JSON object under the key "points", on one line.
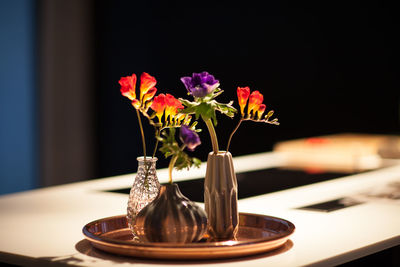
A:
{"points": [[168, 104], [172, 106], [147, 82], [136, 103], [243, 94], [255, 100], [128, 86], [158, 106], [147, 89], [260, 111], [149, 95], [180, 117]]}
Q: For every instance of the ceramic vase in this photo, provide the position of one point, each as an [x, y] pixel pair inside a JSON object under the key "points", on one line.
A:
{"points": [[171, 217], [144, 190], [221, 197]]}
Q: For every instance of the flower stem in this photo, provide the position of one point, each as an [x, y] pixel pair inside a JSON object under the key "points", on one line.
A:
{"points": [[146, 180], [171, 167], [233, 132], [172, 163], [157, 130], [141, 131], [213, 135]]}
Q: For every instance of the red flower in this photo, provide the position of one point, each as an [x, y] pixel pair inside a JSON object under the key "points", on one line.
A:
{"points": [[172, 106], [255, 100], [147, 89], [158, 106], [128, 86], [243, 94], [136, 103], [260, 111], [147, 82], [149, 95], [168, 104]]}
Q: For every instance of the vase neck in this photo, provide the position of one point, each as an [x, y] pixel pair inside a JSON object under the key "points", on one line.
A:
{"points": [[149, 161]]}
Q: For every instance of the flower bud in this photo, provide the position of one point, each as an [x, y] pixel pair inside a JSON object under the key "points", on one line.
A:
{"points": [[189, 137]]}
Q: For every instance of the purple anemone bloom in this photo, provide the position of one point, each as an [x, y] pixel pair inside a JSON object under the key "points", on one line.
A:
{"points": [[200, 84], [189, 137]]}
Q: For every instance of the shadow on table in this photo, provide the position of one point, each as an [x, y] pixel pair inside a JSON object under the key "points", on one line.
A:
{"points": [[86, 248]]}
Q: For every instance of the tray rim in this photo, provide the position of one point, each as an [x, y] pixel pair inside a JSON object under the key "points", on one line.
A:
{"points": [[232, 248]]}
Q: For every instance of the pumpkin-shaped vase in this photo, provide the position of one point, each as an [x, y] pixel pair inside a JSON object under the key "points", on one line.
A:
{"points": [[171, 217]]}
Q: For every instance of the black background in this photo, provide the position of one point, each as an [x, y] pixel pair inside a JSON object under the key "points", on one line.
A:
{"points": [[323, 67]]}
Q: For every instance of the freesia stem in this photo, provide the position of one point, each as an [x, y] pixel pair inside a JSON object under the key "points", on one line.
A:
{"points": [[156, 146], [141, 131], [213, 135], [172, 163], [233, 132], [171, 167]]}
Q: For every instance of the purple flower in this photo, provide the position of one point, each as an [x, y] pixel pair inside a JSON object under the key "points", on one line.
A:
{"points": [[189, 137], [200, 84]]}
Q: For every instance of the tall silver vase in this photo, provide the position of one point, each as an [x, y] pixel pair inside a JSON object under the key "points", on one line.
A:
{"points": [[171, 217], [144, 190], [220, 197]]}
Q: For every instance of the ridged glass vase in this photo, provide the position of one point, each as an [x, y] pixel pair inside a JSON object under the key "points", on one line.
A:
{"points": [[144, 190]]}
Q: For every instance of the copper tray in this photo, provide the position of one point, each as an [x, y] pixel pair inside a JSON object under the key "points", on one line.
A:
{"points": [[257, 234]]}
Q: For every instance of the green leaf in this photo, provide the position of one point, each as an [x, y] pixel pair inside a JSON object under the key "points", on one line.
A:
{"points": [[206, 107], [196, 162], [189, 106], [206, 110], [187, 103], [216, 93], [171, 148], [185, 161], [226, 109]]}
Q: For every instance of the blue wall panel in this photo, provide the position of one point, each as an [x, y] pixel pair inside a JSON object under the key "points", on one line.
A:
{"points": [[18, 161]]}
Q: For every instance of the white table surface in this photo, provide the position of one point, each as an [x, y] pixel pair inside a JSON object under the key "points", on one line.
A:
{"points": [[44, 227]]}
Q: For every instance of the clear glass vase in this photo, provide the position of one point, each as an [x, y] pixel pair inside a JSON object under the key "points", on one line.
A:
{"points": [[144, 190]]}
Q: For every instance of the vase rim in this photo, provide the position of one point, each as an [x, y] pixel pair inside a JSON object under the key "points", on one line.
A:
{"points": [[141, 158], [220, 152]]}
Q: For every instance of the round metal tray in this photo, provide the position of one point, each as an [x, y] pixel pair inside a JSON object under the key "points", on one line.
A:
{"points": [[257, 234]]}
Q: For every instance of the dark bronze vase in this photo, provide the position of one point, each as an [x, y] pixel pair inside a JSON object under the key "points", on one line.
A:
{"points": [[171, 217]]}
